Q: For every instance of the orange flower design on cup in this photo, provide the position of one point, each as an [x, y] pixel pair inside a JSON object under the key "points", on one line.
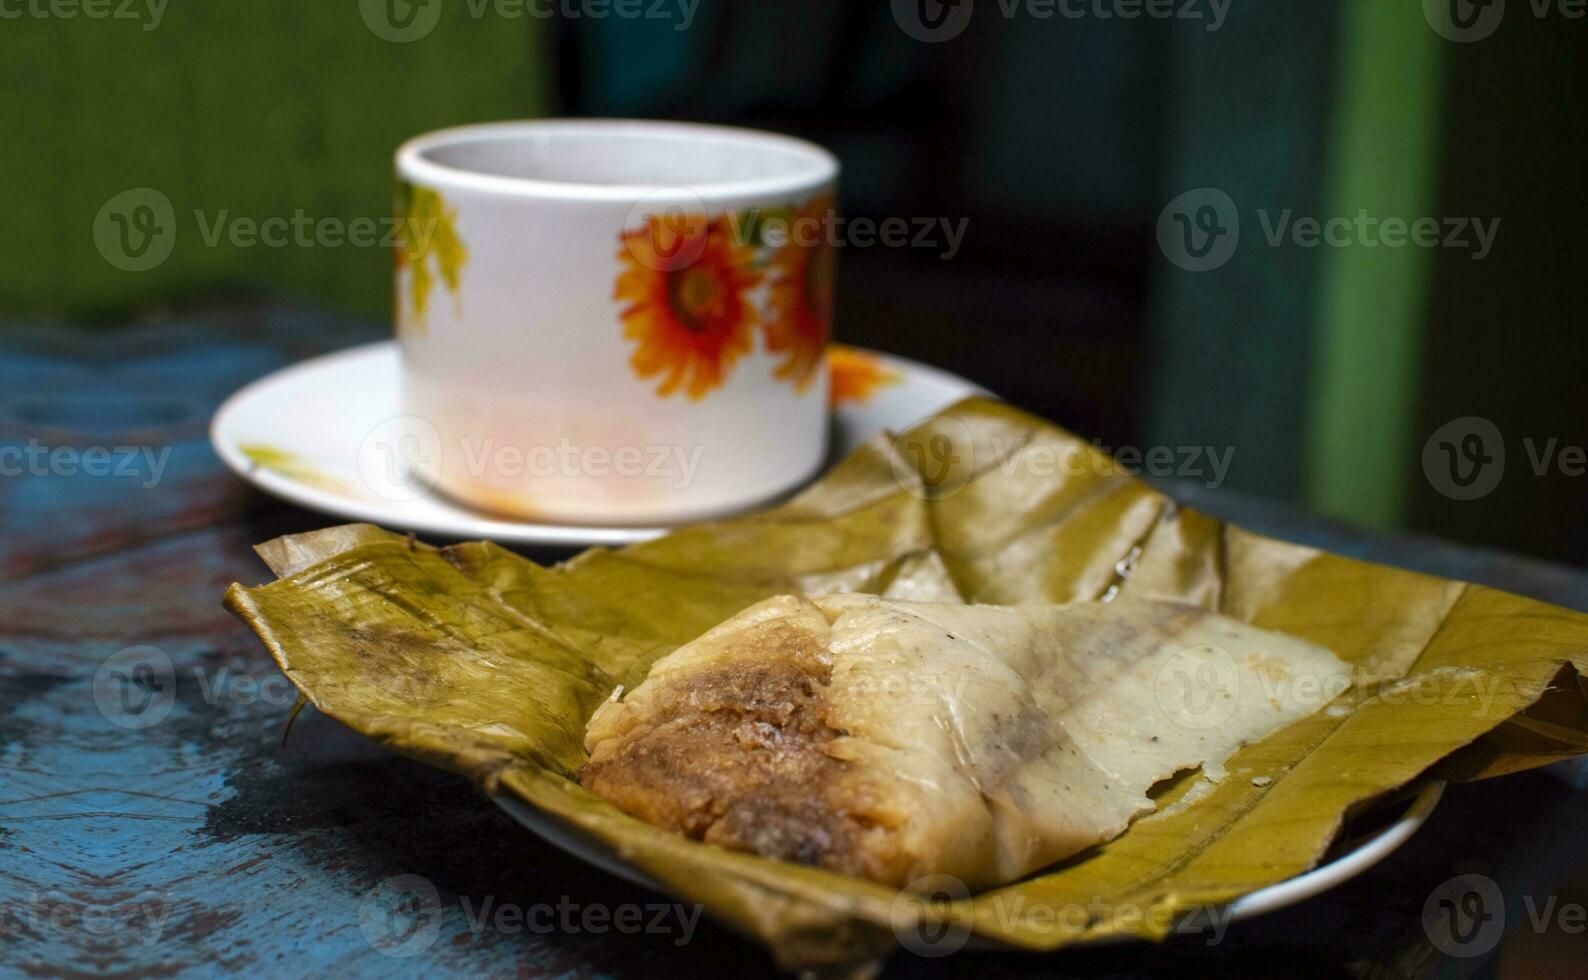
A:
{"points": [[802, 296], [857, 375], [685, 281]]}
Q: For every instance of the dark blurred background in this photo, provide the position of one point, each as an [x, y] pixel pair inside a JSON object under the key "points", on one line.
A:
{"points": [[1059, 140]]}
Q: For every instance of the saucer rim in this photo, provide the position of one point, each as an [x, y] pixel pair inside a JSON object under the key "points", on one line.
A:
{"points": [[480, 524]]}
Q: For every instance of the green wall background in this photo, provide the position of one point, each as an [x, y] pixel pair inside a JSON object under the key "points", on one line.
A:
{"points": [[1328, 368], [257, 109]]}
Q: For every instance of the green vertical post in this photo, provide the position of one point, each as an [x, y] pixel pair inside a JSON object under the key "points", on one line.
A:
{"points": [[1374, 301]]}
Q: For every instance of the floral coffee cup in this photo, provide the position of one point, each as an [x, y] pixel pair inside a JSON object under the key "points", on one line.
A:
{"points": [[613, 321]]}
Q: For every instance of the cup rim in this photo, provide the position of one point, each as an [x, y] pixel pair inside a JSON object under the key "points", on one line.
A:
{"points": [[413, 163]]}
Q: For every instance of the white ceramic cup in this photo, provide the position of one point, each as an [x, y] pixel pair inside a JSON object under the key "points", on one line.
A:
{"points": [[610, 321]]}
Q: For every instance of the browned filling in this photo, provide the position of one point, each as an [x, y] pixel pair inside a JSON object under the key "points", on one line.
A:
{"points": [[737, 755]]}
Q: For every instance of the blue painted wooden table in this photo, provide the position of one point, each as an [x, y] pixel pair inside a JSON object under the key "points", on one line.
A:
{"points": [[179, 837]]}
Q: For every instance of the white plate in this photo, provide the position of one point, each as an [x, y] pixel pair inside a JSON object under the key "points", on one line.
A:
{"points": [[297, 434], [1358, 857]]}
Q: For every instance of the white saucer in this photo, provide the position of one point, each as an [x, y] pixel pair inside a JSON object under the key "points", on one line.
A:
{"points": [[296, 434]]}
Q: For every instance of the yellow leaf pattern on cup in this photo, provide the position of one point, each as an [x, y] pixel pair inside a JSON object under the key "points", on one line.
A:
{"points": [[426, 230]]}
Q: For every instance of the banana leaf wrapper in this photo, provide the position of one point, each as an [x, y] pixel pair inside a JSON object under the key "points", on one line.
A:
{"points": [[479, 661]]}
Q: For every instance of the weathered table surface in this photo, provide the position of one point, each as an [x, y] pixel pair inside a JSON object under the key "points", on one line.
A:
{"points": [[202, 844]]}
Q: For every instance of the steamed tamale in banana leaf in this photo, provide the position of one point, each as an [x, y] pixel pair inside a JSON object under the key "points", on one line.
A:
{"points": [[899, 741], [477, 660]]}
